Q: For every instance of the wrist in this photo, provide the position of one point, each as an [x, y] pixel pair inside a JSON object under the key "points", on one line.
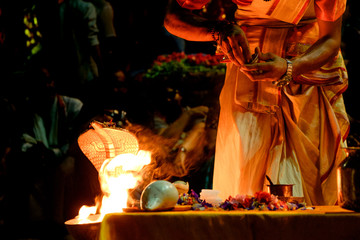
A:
{"points": [[287, 77]]}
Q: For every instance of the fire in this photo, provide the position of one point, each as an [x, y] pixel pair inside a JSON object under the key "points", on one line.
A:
{"points": [[117, 176], [85, 212], [115, 155]]}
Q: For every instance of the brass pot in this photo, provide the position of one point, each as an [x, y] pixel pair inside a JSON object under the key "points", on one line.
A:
{"points": [[281, 190], [349, 180]]}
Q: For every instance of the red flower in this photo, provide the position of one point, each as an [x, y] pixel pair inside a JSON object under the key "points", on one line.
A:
{"points": [[247, 202], [263, 197]]}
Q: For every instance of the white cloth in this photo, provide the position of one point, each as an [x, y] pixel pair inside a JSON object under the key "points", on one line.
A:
{"points": [[50, 137]]}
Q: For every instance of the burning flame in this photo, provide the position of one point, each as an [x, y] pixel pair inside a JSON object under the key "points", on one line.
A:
{"points": [[119, 175], [85, 212], [116, 176]]}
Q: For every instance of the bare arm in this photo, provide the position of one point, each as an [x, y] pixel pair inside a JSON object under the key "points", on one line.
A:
{"points": [[321, 52], [177, 127], [187, 25], [183, 23]]}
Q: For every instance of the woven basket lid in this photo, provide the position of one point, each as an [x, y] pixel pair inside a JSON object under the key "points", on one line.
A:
{"points": [[101, 143]]}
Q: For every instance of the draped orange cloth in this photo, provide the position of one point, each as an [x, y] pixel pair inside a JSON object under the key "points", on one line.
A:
{"points": [[325, 10], [293, 134]]}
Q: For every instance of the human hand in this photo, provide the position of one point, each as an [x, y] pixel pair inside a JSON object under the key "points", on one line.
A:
{"points": [[199, 111], [234, 44], [270, 67]]}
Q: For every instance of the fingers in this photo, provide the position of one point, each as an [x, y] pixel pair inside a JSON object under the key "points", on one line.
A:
{"points": [[258, 71], [235, 46], [226, 48], [201, 109], [259, 76], [229, 51], [271, 68], [240, 53], [242, 39], [236, 53], [262, 66]]}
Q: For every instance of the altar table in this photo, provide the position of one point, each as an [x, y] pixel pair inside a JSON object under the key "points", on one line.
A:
{"points": [[324, 222]]}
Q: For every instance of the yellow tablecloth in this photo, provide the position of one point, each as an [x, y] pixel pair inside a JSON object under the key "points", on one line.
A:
{"points": [[324, 222]]}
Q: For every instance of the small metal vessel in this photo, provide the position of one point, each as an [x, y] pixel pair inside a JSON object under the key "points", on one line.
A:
{"points": [[348, 176]]}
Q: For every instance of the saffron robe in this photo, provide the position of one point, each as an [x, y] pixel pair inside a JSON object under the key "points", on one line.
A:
{"points": [[293, 134]]}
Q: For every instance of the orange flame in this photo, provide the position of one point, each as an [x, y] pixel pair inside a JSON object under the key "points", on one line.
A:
{"points": [[114, 153], [117, 177]]}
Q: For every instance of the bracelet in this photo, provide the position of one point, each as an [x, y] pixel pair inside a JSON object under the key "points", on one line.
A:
{"points": [[213, 33], [287, 77]]}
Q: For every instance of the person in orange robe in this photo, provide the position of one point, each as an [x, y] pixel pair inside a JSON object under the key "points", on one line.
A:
{"points": [[282, 111]]}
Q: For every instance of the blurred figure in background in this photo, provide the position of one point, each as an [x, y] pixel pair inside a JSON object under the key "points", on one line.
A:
{"points": [[107, 34], [80, 65], [40, 172]]}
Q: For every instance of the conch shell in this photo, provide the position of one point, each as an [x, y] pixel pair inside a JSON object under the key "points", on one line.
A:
{"points": [[159, 195]]}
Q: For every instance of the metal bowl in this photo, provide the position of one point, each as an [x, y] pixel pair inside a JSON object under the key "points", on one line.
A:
{"points": [[281, 190], [84, 231]]}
